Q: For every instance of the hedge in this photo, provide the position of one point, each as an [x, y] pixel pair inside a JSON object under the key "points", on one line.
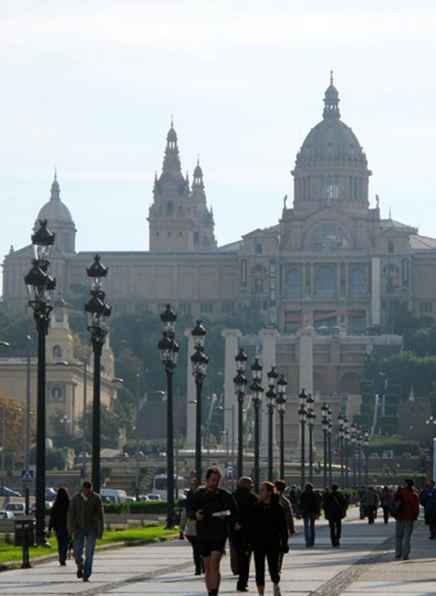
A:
{"points": [[153, 507]]}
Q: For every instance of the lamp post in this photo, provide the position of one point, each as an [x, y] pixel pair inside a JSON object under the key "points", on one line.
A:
{"points": [[98, 311], [271, 396], [257, 390], [329, 443], [282, 385], [169, 351], [346, 426], [325, 427], [199, 362], [353, 443], [40, 285], [302, 415], [341, 447], [240, 382], [310, 417], [366, 456]]}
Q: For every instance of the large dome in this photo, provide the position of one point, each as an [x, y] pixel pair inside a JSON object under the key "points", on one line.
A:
{"points": [[331, 139], [55, 211], [331, 165]]}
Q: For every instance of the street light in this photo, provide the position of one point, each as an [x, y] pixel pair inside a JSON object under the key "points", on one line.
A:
{"points": [[257, 390], [40, 286], [302, 415], [325, 429], [346, 431], [169, 350], [310, 416], [353, 442], [271, 396], [329, 442], [199, 362], [341, 447], [366, 455], [282, 385], [97, 311], [240, 382]]}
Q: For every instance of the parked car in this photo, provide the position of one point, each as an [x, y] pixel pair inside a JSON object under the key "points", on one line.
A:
{"points": [[153, 497], [16, 508], [114, 495], [5, 515]]}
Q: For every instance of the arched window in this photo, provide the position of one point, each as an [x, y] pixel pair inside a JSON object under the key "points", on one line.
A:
{"points": [[57, 353]]}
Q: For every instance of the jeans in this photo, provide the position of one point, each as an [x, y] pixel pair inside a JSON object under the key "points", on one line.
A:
{"points": [[386, 514], [272, 554], [403, 535], [80, 538], [335, 531], [309, 530], [63, 540]]}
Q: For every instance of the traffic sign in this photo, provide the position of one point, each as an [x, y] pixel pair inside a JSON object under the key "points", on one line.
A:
{"points": [[27, 475]]}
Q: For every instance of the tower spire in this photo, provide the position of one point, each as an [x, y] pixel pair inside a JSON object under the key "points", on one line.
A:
{"points": [[331, 101], [55, 190], [171, 164]]}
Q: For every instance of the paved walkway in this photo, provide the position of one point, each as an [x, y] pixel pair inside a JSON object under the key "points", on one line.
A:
{"points": [[363, 565]]}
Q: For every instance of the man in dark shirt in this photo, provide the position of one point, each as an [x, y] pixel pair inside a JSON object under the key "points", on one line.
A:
{"points": [[246, 501], [216, 513]]}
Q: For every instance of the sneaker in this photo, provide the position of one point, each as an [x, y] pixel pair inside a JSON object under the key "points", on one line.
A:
{"points": [[85, 578]]}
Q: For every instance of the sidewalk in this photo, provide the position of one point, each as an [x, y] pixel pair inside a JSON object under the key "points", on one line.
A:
{"points": [[166, 568], [415, 577]]}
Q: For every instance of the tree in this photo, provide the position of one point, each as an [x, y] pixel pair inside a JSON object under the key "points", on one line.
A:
{"points": [[110, 427]]}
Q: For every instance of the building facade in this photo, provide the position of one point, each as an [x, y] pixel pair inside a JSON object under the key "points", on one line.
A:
{"points": [[331, 262]]}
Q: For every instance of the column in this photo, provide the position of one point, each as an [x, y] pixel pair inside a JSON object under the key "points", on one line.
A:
{"points": [[190, 395], [231, 346], [306, 359], [375, 291], [269, 341]]}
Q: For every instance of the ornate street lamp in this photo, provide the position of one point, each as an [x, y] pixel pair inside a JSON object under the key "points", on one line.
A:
{"points": [[98, 312], [240, 382], [311, 417], [40, 285], [282, 385], [329, 443], [257, 391], [366, 456], [169, 351], [271, 396], [341, 447], [346, 426], [199, 362], [325, 429], [302, 416], [353, 443]]}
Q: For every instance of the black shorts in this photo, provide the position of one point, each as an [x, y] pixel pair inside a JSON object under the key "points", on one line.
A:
{"points": [[206, 547]]}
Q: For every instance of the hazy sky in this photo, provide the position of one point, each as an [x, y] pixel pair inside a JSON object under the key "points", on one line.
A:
{"points": [[89, 86]]}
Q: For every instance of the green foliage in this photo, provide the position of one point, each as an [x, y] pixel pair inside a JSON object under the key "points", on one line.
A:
{"points": [[110, 427], [146, 507]]}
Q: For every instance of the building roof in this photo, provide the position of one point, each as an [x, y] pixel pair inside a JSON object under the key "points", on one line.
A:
{"points": [[55, 211]]}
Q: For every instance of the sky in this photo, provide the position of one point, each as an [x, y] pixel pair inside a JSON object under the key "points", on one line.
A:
{"points": [[89, 88]]}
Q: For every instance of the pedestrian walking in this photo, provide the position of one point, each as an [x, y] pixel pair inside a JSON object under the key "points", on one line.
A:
{"points": [[406, 504], [428, 501], [280, 486], [372, 503], [246, 501], [310, 509], [269, 536], [386, 499], [188, 528], [215, 511], [86, 525], [335, 509], [59, 523], [294, 497]]}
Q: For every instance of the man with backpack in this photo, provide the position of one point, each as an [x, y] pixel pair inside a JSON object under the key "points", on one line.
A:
{"points": [[335, 509]]}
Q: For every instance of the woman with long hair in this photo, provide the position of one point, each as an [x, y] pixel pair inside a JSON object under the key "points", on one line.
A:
{"points": [[269, 536], [58, 523]]}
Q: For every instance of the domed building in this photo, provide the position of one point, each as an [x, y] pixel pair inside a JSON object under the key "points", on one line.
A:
{"points": [[331, 268]]}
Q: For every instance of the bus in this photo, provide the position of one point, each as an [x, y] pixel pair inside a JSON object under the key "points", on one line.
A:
{"points": [[160, 486]]}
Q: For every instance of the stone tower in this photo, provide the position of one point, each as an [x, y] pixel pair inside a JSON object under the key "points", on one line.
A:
{"points": [[179, 218]]}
